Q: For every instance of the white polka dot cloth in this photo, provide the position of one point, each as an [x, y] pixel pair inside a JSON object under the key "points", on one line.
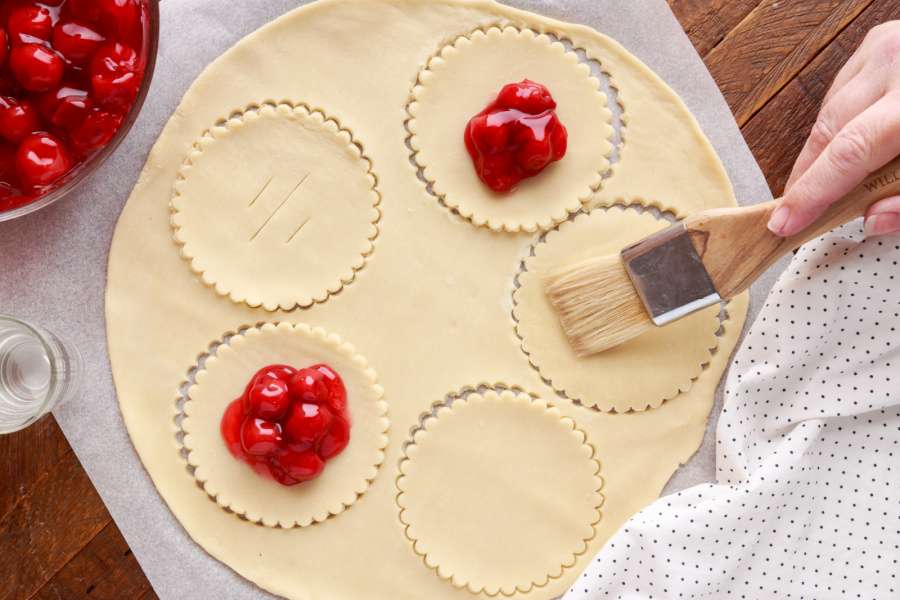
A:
{"points": [[807, 502]]}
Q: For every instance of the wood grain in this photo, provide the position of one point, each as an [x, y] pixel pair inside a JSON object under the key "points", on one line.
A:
{"points": [[52, 522], [776, 134], [707, 22], [760, 56], [774, 60], [106, 568], [27, 457]]}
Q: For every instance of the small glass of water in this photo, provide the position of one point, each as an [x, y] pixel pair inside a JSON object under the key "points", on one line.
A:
{"points": [[37, 372]]}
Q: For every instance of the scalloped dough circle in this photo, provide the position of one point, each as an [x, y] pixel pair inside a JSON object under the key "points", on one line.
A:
{"points": [[232, 483], [474, 460], [292, 201], [637, 375], [464, 78]]}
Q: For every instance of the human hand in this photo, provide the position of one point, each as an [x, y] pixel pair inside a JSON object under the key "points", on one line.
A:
{"points": [[857, 132]]}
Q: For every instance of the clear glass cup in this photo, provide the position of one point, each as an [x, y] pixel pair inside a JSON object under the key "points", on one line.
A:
{"points": [[38, 371]]}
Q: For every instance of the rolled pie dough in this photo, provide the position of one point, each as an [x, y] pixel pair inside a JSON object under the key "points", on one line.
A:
{"points": [[431, 309], [507, 448], [234, 484]]}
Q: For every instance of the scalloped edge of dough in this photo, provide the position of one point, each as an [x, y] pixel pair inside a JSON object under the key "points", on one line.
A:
{"points": [[321, 336], [678, 389], [224, 127], [502, 392], [434, 188], [619, 149]]}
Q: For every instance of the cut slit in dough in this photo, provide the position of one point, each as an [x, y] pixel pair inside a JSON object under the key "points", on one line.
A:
{"points": [[508, 448], [466, 76], [637, 375], [277, 207], [232, 483]]}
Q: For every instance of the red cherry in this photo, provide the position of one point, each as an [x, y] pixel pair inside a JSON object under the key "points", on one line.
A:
{"points": [[488, 135], [97, 129], [260, 437], [309, 385], [76, 41], [115, 77], [272, 469], [7, 163], [231, 425], [307, 423], [18, 118], [499, 172], [301, 466], [534, 155], [337, 393], [282, 372], [85, 9], [116, 93], [337, 438], [65, 107], [4, 46], [9, 86], [30, 23], [71, 111], [269, 400], [121, 19], [526, 96], [42, 159], [559, 139], [35, 67]]}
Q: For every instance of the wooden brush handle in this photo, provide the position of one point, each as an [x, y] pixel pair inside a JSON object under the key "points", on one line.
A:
{"points": [[736, 246]]}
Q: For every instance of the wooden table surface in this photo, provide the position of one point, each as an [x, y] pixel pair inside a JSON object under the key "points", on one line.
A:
{"points": [[773, 59]]}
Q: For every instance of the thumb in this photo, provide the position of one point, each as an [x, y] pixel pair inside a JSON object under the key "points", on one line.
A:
{"points": [[883, 217]]}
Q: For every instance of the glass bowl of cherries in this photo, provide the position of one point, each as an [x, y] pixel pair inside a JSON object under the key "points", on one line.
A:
{"points": [[73, 77]]}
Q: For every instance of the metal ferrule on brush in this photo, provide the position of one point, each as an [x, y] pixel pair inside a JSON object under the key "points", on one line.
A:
{"points": [[669, 276]]}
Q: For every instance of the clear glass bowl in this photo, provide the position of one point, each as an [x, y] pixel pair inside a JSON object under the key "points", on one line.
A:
{"points": [[80, 173]]}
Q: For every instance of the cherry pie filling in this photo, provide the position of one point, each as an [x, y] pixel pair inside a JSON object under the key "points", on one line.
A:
{"points": [[289, 422], [70, 71], [517, 136]]}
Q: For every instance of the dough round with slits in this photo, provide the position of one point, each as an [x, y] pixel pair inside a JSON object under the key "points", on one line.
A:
{"points": [[639, 374], [276, 207], [470, 464], [466, 76], [233, 483]]}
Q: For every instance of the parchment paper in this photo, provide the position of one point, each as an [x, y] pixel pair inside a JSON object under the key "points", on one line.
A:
{"points": [[53, 263]]}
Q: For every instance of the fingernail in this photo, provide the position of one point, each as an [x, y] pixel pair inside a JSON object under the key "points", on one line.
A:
{"points": [[882, 224], [779, 219]]}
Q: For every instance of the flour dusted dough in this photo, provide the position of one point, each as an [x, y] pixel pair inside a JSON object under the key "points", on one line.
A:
{"points": [[462, 80], [276, 207], [235, 485], [507, 450], [431, 309], [637, 375]]}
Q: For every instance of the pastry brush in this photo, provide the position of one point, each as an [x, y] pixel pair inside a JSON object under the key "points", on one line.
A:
{"points": [[708, 257]]}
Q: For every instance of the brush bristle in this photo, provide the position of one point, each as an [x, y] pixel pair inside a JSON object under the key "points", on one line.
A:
{"points": [[597, 304]]}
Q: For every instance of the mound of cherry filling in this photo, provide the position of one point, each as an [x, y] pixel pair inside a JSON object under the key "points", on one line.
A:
{"points": [[288, 423], [70, 71], [516, 136]]}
